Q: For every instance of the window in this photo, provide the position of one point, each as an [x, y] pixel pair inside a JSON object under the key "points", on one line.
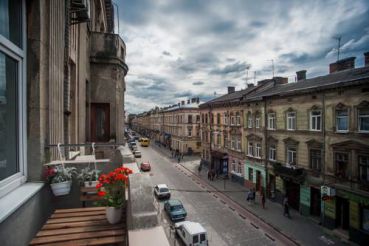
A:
{"points": [[238, 143], [250, 149], [233, 142], [249, 120], [234, 166], [202, 237], [251, 174], [233, 120], [315, 159], [189, 130], [291, 121], [238, 119], [271, 121], [363, 120], [218, 119], [195, 239], [190, 119], [316, 120], [225, 140], [12, 96], [341, 165], [258, 150], [206, 118], [219, 139], [239, 167], [291, 156], [272, 153], [225, 119], [341, 120], [257, 122], [364, 168]]}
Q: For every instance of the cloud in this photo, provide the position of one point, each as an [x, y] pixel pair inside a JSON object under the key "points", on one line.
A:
{"points": [[195, 48]]}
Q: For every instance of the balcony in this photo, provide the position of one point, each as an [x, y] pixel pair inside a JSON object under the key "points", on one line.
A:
{"points": [[289, 173]]}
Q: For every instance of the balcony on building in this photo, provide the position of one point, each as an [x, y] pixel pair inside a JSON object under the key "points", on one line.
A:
{"points": [[291, 172]]}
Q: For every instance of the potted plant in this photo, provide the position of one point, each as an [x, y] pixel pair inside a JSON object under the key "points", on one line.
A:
{"points": [[111, 188], [60, 179], [89, 177]]}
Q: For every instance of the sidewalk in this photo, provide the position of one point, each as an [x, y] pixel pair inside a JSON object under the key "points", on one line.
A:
{"points": [[303, 230]]}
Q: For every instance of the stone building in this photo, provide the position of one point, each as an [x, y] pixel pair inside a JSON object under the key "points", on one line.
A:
{"points": [[59, 61], [309, 141]]}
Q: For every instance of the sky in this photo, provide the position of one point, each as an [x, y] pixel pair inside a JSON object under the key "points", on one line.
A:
{"points": [[180, 49]]}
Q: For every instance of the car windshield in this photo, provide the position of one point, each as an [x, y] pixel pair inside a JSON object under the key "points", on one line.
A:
{"points": [[176, 207], [164, 190]]}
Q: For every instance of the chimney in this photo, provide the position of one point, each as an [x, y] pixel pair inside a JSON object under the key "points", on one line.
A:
{"points": [[183, 102], [231, 89], [341, 65], [280, 80], [366, 56], [250, 85], [198, 100], [301, 75], [188, 101]]}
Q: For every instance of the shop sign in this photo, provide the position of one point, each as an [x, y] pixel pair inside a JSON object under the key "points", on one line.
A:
{"points": [[327, 191]]}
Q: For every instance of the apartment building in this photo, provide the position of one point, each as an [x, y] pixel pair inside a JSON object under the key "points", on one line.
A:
{"points": [[62, 74], [308, 141]]}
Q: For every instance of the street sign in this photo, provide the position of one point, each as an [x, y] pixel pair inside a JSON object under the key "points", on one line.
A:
{"points": [[327, 191]]}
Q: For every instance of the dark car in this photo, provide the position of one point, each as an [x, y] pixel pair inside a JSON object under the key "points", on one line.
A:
{"points": [[175, 210]]}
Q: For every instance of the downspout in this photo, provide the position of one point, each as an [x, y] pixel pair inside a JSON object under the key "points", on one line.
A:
{"points": [[266, 147], [323, 159], [66, 85]]}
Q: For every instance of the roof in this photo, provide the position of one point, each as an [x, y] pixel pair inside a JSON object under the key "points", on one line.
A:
{"points": [[231, 97], [162, 186], [193, 227], [333, 80], [173, 202]]}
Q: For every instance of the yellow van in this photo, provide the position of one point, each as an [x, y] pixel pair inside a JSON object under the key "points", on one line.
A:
{"points": [[145, 142]]}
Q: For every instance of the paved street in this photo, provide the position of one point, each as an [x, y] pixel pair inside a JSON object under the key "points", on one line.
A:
{"points": [[225, 226], [223, 214]]}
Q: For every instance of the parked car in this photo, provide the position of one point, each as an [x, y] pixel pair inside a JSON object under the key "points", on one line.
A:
{"points": [[161, 191], [145, 166], [145, 142], [175, 210], [132, 145], [137, 154], [191, 233]]}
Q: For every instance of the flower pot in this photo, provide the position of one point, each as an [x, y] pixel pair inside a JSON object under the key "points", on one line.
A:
{"points": [[91, 184], [60, 189], [113, 215]]}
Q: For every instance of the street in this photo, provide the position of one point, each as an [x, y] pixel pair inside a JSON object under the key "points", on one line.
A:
{"points": [[225, 226]]}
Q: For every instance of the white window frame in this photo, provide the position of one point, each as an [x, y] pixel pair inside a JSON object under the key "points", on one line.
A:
{"points": [[19, 55], [258, 150], [238, 143], [233, 142], [291, 121], [313, 118], [225, 119], [359, 121], [293, 153], [234, 166], [272, 153], [250, 149], [257, 122], [238, 120], [340, 117], [249, 121], [271, 121], [232, 120]]}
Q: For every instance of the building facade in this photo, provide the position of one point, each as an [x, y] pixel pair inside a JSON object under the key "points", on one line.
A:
{"points": [[54, 57], [306, 140]]}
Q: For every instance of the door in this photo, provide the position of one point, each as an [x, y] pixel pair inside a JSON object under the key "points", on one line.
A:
{"points": [[293, 194], [100, 122], [342, 213], [258, 181], [315, 202]]}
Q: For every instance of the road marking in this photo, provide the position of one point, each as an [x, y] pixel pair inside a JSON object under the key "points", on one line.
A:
{"points": [[232, 208], [267, 235], [223, 201], [215, 196], [243, 217], [254, 225]]}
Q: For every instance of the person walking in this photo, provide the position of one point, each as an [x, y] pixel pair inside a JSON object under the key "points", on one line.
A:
{"points": [[286, 209], [199, 169], [263, 200], [179, 158]]}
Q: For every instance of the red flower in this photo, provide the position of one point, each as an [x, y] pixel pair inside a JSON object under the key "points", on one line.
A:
{"points": [[101, 193], [99, 185]]}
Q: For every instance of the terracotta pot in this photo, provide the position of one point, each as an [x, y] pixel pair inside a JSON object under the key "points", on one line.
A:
{"points": [[113, 215], [61, 189]]}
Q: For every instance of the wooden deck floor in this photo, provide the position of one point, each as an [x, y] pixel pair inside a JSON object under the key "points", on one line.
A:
{"points": [[81, 226]]}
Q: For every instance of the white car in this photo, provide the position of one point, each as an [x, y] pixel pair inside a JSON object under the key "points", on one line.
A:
{"points": [[137, 154], [161, 191], [191, 233]]}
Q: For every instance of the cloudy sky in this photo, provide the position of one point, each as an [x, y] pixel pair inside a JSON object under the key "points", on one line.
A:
{"points": [[177, 49]]}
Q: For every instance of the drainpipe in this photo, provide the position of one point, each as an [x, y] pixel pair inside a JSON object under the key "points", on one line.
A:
{"points": [[323, 159], [211, 137], [66, 73], [266, 146]]}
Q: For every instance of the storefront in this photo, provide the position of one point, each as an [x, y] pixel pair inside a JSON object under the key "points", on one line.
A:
{"points": [[219, 162], [255, 175]]}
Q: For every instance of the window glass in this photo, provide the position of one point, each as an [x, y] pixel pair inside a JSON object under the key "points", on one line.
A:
{"points": [[251, 174], [365, 219], [272, 152], [291, 121], [316, 120], [196, 239], [291, 156], [11, 20], [364, 120], [315, 159], [364, 168], [8, 116], [341, 120], [202, 237]]}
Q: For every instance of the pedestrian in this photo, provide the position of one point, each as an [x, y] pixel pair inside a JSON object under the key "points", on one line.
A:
{"points": [[199, 169], [209, 175], [253, 195], [286, 209], [179, 159], [248, 193], [263, 200]]}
